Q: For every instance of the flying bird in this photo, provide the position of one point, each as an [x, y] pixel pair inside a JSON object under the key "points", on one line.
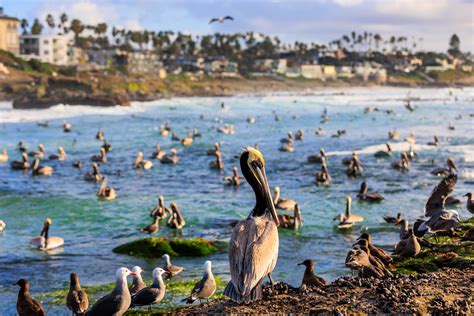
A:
{"points": [[221, 19]]}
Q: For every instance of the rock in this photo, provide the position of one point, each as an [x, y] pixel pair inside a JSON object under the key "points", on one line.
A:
{"points": [[34, 102]]}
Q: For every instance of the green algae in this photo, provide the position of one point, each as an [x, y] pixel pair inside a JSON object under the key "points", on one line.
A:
{"points": [[175, 291], [448, 251], [155, 247]]}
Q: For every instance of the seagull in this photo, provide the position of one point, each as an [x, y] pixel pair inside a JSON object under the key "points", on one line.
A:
{"points": [[221, 19], [205, 287]]}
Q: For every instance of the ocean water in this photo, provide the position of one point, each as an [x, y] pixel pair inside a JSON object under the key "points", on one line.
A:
{"points": [[92, 228]]}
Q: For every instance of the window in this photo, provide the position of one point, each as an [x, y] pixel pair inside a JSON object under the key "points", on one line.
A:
{"points": [[46, 52], [45, 42]]}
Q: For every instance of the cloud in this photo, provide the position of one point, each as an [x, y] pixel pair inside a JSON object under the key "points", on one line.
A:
{"points": [[415, 9], [348, 3]]}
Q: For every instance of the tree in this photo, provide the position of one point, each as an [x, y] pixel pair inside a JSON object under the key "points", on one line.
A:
{"points": [[50, 21], [24, 25], [63, 18], [77, 28], [454, 46], [37, 27], [377, 39]]}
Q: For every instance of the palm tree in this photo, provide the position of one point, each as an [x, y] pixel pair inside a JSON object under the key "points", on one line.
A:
{"points": [[37, 27], [24, 25], [377, 39], [77, 28], [50, 21]]}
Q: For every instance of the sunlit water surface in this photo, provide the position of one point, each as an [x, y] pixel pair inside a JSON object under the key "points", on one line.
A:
{"points": [[91, 228]]}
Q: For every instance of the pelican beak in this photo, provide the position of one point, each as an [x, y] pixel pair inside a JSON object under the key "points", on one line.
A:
{"points": [[453, 165], [262, 177], [300, 264]]}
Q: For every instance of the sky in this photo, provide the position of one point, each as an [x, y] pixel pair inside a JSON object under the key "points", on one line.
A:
{"points": [[318, 21]]}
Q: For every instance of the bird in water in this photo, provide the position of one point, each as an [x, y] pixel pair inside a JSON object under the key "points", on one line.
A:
{"points": [[153, 294], [411, 153], [100, 135], [39, 170], [176, 220], [40, 153], [287, 147], [170, 268], [3, 226], [233, 180], [393, 220], [106, 146], [318, 158], [384, 153], [393, 134], [118, 301], [411, 139], [101, 157], [282, 204], [309, 278], [441, 219], [323, 177], [67, 127], [435, 141], [61, 155], [403, 164], [4, 155], [172, 158], [217, 164], [355, 168], [442, 171], [205, 288], [22, 164], [469, 203], [253, 249], [44, 241], [76, 299], [287, 139], [299, 135], [137, 281], [365, 195], [105, 192], [158, 153], [347, 219], [160, 211], [26, 305], [142, 164], [152, 228], [291, 222], [94, 175], [212, 152]]}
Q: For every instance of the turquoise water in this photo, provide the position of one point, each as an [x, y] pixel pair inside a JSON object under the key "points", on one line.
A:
{"points": [[92, 228]]}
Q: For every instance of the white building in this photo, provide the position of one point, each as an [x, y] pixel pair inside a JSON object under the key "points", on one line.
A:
{"points": [[51, 49]]}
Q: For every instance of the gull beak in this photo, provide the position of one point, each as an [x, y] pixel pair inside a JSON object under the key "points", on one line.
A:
{"points": [[133, 273], [262, 177], [167, 273]]}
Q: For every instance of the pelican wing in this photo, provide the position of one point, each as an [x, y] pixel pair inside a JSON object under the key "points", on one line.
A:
{"points": [[253, 253], [213, 20], [229, 18], [439, 194]]}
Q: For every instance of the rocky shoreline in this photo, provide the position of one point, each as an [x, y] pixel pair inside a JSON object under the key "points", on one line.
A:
{"points": [[448, 291]]}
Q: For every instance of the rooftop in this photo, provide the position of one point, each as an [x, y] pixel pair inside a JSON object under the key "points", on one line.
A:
{"points": [[5, 17]]}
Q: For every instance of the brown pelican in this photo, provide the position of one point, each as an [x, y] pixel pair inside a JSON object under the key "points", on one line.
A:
{"points": [[253, 250], [158, 153], [318, 158], [233, 180], [402, 164], [205, 287], [40, 153], [411, 153], [339, 133], [319, 131], [43, 241], [142, 164], [76, 299], [357, 259], [469, 203], [374, 261], [187, 141], [364, 195], [288, 139], [61, 155], [175, 137], [137, 283], [393, 220], [2, 225], [160, 211], [101, 157], [41, 170], [323, 177], [170, 268], [309, 278], [409, 247], [152, 294], [347, 218], [117, 302], [152, 228], [172, 158], [212, 152], [164, 130], [217, 164], [21, 147], [383, 153], [77, 164], [355, 168], [292, 222], [94, 175], [287, 147], [282, 204], [26, 305], [106, 146], [22, 164], [299, 135], [176, 220], [67, 127], [4, 155], [441, 171], [227, 129], [435, 142], [100, 135], [105, 192], [221, 20], [393, 134], [440, 219]]}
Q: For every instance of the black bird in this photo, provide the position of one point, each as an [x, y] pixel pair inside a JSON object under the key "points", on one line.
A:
{"points": [[221, 19], [364, 195], [393, 220], [26, 305]]}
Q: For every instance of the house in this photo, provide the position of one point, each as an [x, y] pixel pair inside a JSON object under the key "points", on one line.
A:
{"points": [[221, 66], [140, 62], [344, 72], [293, 72], [263, 65], [443, 65], [51, 49], [312, 72], [9, 33], [329, 72], [190, 63], [371, 71], [76, 56]]}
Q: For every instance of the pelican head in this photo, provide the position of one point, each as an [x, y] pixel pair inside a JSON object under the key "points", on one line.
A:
{"points": [[47, 221], [161, 199], [252, 165], [451, 164], [363, 188]]}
